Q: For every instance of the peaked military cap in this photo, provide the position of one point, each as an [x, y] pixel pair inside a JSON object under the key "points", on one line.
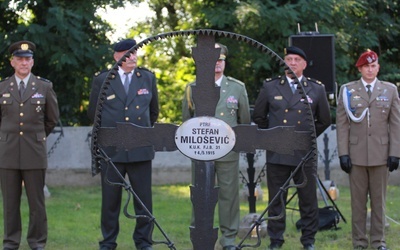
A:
{"points": [[22, 48], [224, 51]]}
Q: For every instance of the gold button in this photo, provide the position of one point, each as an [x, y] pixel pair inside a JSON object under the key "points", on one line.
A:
{"points": [[21, 133], [286, 110], [126, 108], [222, 114], [137, 107], [21, 124], [126, 118], [284, 121], [44, 138], [4, 102], [21, 114], [298, 122], [139, 118], [299, 111], [21, 104], [38, 102]]}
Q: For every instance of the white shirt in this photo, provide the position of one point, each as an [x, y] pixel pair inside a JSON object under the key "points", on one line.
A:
{"points": [[372, 84], [25, 80], [290, 80], [218, 82], [123, 76]]}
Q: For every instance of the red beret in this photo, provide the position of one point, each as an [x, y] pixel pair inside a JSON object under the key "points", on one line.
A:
{"points": [[366, 58]]}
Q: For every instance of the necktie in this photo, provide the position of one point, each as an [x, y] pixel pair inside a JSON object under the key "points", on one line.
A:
{"points": [[369, 90], [126, 82], [293, 87], [21, 88]]}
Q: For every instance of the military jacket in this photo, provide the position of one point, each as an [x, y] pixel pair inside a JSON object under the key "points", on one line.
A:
{"points": [[276, 105], [232, 107], [370, 140], [139, 106], [26, 122]]}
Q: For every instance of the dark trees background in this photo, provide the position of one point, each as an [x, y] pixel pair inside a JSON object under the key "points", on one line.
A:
{"points": [[72, 41]]}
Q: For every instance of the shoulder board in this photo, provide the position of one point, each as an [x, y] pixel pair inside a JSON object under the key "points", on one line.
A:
{"points": [[235, 80], [273, 78], [2, 80], [351, 83], [389, 84], [309, 79], [100, 72], [143, 68], [43, 79]]}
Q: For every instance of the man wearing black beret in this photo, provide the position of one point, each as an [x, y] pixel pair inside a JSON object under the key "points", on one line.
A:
{"points": [[131, 97], [28, 114], [280, 103]]}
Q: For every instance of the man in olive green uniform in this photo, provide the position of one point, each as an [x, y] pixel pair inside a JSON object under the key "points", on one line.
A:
{"points": [[368, 137], [28, 113], [233, 108]]}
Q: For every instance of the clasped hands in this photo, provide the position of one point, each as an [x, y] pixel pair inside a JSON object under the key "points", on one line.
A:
{"points": [[345, 163]]}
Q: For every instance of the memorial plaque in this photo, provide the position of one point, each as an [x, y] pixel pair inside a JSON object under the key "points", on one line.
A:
{"points": [[205, 138]]}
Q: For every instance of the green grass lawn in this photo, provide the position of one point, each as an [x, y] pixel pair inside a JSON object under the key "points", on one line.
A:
{"points": [[74, 216]]}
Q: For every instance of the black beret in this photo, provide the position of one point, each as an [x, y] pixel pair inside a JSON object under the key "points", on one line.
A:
{"points": [[22, 49], [124, 45], [296, 51]]}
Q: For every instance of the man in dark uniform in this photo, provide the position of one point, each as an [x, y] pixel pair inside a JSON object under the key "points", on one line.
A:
{"points": [[280, 103], [29, 112], [131, 97]]}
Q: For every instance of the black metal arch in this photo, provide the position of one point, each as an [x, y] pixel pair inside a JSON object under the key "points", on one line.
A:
{"points": [[97, 152], [217, 33]]}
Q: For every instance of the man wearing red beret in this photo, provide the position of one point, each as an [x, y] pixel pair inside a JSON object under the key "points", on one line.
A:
{"points": [[368, 138]]}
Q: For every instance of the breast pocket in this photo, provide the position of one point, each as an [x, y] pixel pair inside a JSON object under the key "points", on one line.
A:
{"points": [[5, 100], [358, 105], [232, 105], [5, 103], [383, 106], [38, 104]]}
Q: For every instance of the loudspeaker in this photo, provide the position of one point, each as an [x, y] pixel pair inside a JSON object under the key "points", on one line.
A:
{"points": [[320, 51]]}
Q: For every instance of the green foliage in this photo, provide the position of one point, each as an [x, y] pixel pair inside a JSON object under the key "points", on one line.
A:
{"points": [[71, 47], [72, 41]]}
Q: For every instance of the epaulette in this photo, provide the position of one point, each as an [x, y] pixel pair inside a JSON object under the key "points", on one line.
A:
{"points": [[43, 79], [143, 68], [309, 79], [100, 72], [235, 80], [390, 84], [2, 80], [271, 79]]}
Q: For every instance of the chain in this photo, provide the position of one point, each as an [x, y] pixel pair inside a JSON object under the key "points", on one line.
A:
{"points": [[57, 141]]}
